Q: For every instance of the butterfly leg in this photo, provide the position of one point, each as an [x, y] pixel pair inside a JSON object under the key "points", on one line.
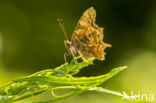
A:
{"points": [[74, 60], [65, 57], [81, 56]]}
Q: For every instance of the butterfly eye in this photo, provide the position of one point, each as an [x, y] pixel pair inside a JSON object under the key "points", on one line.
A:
{"points": [[68, 44]]}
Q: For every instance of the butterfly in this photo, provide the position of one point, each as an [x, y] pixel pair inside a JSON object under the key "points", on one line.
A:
{"points": [[87, 38]]}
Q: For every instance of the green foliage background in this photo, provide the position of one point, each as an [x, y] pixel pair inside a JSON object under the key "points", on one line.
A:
{"points": [[31, 40]]}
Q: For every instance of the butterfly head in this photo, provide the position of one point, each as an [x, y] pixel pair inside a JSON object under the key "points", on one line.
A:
{"points": [[71, 49]]}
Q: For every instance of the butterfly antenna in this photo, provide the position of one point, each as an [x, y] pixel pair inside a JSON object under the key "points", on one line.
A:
{"points": [[62, 27]]}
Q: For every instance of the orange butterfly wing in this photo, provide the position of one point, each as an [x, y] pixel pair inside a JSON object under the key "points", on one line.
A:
{"points": [[88, 37]]}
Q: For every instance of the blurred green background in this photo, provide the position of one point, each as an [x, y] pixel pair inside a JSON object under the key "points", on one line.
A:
{"points": [[31, 40]]}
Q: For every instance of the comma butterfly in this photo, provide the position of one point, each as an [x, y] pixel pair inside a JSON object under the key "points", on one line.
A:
{"points": [[87, 39]]}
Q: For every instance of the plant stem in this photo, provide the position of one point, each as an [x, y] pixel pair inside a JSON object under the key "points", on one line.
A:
{"points": [[100, 89]]}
